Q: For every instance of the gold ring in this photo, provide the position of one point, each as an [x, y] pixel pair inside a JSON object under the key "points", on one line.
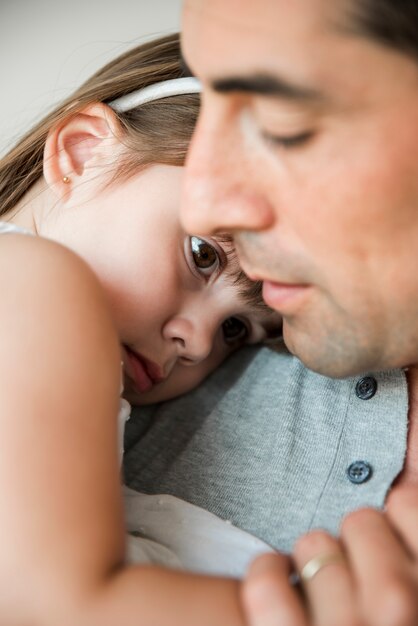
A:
{"points": [[312, 567]]}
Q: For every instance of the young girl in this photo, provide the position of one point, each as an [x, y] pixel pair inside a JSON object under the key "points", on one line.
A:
{"points": [[109, 276]]}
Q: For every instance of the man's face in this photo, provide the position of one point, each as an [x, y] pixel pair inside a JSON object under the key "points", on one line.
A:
{"points": [[306, 149]]}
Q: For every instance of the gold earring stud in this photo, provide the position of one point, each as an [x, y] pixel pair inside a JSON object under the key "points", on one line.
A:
{"points": [[65, 179]]}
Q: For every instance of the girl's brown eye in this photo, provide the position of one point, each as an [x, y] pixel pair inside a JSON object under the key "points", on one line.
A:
{"points": [[234, 330], [204, 255]]}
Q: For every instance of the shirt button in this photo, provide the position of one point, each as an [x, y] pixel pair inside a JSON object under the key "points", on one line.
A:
{"points": [[359, 472], [366, 388]]}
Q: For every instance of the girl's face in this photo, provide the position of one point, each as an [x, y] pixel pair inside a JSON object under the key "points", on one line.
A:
{"points": [[178, 315]]}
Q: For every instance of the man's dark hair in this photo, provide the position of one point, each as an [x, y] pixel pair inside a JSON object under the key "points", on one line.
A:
{"points": [[393, 23]]}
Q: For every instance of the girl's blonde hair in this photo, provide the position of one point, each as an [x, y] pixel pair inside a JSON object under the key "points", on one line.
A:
{"points": [[157, 132]]}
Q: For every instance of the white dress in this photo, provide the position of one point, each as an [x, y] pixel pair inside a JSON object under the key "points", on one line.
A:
{"points": [[168, 531]]}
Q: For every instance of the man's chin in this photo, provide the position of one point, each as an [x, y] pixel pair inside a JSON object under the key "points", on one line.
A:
{"points": [[323, 354]]}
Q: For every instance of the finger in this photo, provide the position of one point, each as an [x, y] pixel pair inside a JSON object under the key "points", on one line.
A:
{"points": [[402, 510], [329, 589], [382, 569], [268, 597]]}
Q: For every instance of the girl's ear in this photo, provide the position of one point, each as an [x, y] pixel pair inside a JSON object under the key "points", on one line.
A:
{"points": [[76, 148]]}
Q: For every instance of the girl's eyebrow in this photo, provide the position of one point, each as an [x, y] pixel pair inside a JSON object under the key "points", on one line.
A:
{"points": [[250, 291]]}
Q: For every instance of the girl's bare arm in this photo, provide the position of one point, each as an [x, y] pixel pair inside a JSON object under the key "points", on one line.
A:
{"points": [[61, 517]]}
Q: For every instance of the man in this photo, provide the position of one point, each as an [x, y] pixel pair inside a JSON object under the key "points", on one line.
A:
{"points": [[306, 150]]}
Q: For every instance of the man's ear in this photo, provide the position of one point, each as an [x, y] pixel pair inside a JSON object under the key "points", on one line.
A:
{"points": [[78, 146]]}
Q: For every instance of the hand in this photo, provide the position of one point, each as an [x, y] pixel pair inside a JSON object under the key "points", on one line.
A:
{"points": [[383, 553], [376, 585], [269, 599]]}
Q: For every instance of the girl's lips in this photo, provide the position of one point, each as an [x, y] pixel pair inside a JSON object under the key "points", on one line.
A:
{"points": [[145, 373], [284, 297]]}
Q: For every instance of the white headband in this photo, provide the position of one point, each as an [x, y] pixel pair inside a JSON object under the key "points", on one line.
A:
{"points": [[164, 89]]}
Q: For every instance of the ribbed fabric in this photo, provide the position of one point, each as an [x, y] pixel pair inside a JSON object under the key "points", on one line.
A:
{"points": [[266, 443], [8, 228]]}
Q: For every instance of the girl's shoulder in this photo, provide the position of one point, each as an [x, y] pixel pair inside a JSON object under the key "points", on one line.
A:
{"points": [[45, 288], [29, 262], [53, 315]]}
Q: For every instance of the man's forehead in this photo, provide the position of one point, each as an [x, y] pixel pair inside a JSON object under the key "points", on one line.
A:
{"points": [[262, 17], [260, 20], [307, 46], [265, 37]]}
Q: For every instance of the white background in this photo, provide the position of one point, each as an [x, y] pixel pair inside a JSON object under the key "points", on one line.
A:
{"points": [[49, 47]]}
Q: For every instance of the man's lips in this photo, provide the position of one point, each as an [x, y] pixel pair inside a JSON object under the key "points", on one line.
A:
{"points": [[284, 297], [145, 373]]}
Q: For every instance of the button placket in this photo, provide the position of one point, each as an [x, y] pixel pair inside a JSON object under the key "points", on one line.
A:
{"points": [[360, 472]]}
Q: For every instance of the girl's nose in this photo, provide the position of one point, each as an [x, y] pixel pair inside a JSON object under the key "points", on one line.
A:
{"points": [[193, 341]]}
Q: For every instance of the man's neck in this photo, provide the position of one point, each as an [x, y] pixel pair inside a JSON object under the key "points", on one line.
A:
{"points": [[410, 472]]}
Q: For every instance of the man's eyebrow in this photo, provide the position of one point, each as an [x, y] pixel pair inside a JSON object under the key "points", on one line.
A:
{"points": [[266, 85]]}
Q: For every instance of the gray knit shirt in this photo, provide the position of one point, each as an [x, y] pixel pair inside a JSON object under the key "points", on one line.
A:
{"points": [[272, 446]]}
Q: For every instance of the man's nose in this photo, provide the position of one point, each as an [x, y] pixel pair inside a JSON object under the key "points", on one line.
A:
{"points": [[219, 192], [193, 340]]}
